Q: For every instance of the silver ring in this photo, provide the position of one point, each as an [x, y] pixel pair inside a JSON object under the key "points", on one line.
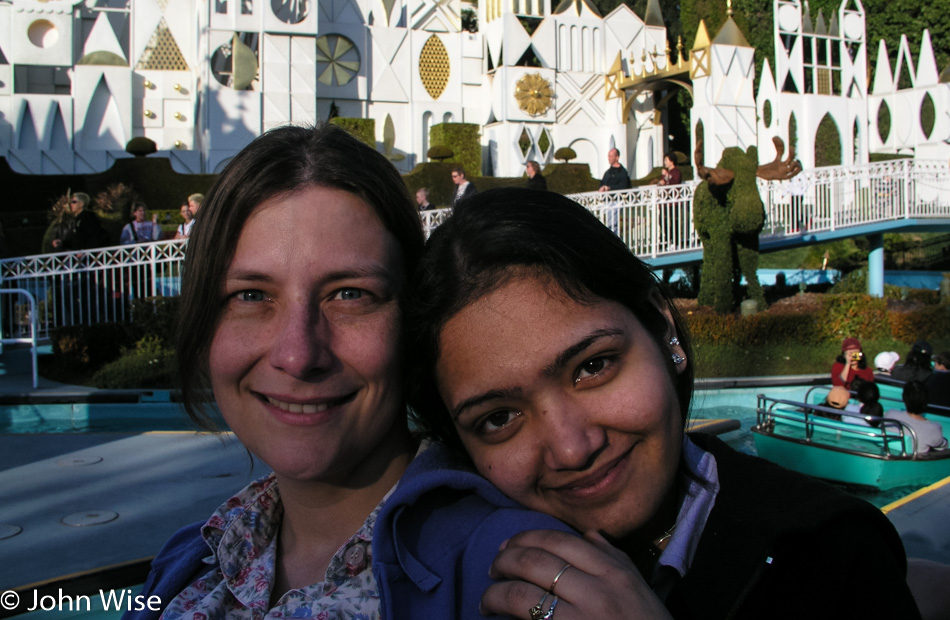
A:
{"points": [[558, 576], [550, 613], [537, 612]]}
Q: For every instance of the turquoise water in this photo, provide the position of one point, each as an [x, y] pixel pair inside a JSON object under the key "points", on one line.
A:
{"points": [[56, 418], [65, 418]]}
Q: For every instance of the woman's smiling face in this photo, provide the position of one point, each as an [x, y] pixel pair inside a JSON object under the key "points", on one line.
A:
{"points": [[304, 362], [568, 408]]}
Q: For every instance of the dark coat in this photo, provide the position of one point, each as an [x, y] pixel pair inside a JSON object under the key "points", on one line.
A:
{"points": [[778, 544]]}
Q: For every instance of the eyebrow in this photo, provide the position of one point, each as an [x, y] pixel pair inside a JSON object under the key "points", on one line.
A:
{"points": [[375, 271], [551, 369]]}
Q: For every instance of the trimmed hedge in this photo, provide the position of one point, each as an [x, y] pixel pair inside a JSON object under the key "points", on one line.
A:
{"points": [[363, 129], [837, 318], [462, 138]]}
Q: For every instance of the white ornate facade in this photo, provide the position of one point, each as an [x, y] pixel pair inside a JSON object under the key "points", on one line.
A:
{"points": [[201, 78]]}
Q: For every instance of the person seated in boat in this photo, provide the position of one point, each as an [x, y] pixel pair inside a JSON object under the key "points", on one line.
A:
{"points": [[929, 434], [938, 383], [850, 364], [917, 366], [838, 398], [868, 406], [543, 350], [884, 362]]}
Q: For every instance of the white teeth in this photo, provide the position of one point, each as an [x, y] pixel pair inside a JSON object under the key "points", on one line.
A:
{"points": [[298, 407]]}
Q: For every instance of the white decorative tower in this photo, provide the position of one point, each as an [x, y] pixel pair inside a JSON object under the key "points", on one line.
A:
{"points": [[723, 73], [820, 81], [909, 108]]}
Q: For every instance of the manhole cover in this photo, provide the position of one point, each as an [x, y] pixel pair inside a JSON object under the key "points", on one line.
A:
{"points": [[9, 531], [90, 517], [78, 461]]}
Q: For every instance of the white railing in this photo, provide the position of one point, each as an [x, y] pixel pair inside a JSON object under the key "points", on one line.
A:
{"points": [[99, 285], [652, 220], [30, 321], [88, 287], [828, 199]]}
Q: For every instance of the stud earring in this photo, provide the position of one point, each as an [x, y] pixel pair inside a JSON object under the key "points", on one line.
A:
{"points": [[674, 341], [678, 359]]}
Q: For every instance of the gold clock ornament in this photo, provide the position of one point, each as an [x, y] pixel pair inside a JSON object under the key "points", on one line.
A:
{"points": [[534, 94]]}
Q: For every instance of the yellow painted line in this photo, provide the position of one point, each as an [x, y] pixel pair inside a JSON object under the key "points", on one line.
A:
{"points": [[918, 493], [84, 573], [695, 425]]}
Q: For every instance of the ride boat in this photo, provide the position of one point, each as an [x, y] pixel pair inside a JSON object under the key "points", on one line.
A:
{"points": [[844, 446]]}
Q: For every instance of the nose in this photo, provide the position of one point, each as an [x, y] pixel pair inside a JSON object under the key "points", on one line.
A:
{"points": [[302, 343], [572, 440]]}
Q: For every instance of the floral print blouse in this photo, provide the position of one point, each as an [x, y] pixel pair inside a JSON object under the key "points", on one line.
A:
{"points": [[242, 535]]}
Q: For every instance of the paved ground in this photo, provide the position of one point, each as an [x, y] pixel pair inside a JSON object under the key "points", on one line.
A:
{"points": [[73, 503]]}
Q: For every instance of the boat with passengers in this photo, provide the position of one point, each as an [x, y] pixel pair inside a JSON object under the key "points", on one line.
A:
{"points": [[845, 446]]}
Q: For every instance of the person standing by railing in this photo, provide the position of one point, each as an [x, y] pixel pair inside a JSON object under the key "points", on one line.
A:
{"points": [[670, 175], [616, 178], [184, 229], [86, 231], [139, 230]]}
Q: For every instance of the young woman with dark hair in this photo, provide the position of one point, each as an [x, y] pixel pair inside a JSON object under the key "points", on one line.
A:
{"points": [[291, 314], [547, 352]]}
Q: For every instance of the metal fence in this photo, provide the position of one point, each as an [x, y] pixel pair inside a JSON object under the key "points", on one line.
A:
{"points": [[88, 287], [99, 285]]}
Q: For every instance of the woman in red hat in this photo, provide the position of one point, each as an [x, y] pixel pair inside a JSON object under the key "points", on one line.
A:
{"points": [[850, 365]]}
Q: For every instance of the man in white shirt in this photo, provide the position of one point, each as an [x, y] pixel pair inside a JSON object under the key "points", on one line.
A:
{"points": [[465, 189]]}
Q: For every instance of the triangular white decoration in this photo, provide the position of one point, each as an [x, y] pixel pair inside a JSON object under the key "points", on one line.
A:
{"points": [[927, 74], [57, 162], [57, 133], [905, 63], [102, 38], [883, 78], [624, 24], [544, 41], [387, 87], [147, 17], [386, 42]]}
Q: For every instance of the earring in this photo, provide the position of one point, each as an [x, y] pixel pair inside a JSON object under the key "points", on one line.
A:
{"points": [[674, 341], [678, 359]]}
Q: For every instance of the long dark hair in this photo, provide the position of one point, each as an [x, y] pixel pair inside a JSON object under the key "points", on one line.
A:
{"points": [[279, 161], [475, 251]]}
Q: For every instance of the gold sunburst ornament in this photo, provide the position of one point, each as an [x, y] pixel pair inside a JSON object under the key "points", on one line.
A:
{"points": [[534, 94]]}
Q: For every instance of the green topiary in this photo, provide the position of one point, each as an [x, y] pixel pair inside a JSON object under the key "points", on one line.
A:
{"points": [[728, 217], [364, 129], [565, 154], [440, 152], [141, 146], [462, 138]]}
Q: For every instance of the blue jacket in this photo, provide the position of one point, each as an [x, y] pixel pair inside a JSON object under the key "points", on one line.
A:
{"points": [[434, 541]]}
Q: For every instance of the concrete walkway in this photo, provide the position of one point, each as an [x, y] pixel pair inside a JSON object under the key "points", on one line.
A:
{"points": [[71, 503]]}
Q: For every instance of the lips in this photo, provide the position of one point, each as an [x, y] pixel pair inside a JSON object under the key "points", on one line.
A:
{"points": [[597, 482]]}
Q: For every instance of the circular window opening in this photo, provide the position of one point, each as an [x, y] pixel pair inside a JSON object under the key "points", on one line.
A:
{"points": [[43, 33], [290, 11]]}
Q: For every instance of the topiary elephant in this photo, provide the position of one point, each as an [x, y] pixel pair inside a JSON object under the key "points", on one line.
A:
{"points": [[728, 215]]}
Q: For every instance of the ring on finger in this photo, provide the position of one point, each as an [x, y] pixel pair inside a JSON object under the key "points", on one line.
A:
{"points": [[550, 613], [537, 612], [558, 576]]}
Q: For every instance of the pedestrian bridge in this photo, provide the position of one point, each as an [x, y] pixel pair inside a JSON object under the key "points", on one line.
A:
{"points": [[819, 205]]}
